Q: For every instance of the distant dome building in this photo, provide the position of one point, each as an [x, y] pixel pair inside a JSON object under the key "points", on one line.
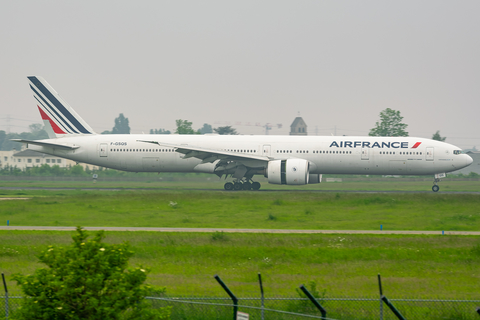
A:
{"points": [[298, 127]]}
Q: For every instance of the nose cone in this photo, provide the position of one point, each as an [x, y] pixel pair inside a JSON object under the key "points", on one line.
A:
{"points": [[468, 160]]}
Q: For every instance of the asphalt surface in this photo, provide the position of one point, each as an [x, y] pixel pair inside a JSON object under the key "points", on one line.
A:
{"points": [[221, 190], [227, 230]]}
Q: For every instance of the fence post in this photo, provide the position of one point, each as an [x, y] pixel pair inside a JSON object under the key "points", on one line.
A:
{"points": [[261, 292], [230, 293], [6, 296], [314, 301], [381, 294], [392, 307], [387, 302]]}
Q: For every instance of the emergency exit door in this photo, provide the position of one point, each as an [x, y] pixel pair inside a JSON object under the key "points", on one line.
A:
{"points": [[103, 149], [429, 154], [266, 151], [364, 153]]}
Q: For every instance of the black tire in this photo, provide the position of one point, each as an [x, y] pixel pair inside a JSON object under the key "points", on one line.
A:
{"points": [[228, 186], [237, 186], [256, 185], [247, 186], [435, 188]]}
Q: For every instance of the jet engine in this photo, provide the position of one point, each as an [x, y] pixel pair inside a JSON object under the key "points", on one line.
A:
{"points": [[314, 178], [290, 171]]}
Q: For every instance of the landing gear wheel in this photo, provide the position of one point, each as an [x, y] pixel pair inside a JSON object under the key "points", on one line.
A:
{"points": [[435, 187], [256, 185], [228, 186], [247, 185], [237, 186]]}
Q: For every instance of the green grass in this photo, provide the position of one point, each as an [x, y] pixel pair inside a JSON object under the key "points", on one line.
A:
{"points": [[411, 266], [258, 210]]}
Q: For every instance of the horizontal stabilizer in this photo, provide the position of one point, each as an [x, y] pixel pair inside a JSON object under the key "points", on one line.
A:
{"points": [[46, 144]]}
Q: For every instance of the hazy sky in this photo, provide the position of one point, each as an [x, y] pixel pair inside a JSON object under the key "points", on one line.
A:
{"points": [[338, 63]]}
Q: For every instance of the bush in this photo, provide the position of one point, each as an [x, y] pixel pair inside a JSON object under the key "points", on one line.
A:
{"points": [[87, 280]]}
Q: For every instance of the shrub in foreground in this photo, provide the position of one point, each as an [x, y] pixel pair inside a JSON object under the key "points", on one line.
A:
{"points": [[87, 280]]}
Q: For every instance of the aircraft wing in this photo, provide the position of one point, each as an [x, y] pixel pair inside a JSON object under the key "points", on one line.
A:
{"points": [[210, 155], [46, 144]]}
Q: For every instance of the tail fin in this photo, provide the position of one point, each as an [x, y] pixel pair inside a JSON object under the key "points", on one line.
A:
{"points": [[59, 118]]}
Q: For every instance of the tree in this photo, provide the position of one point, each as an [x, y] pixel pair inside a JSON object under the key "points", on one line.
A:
{"points": [[77, 170], [35, 128], [3, 137], [205, 129], [36, 133], [225, 130], [121, 125], [159, 131], [390, 125], [436, 136], [184, 127], [87, 280]]}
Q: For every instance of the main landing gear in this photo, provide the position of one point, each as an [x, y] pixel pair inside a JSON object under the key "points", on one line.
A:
{"points": [[242, 185]]}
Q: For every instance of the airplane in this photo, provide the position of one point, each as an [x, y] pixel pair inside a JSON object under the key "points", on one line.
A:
{"points": [[286, 160]]}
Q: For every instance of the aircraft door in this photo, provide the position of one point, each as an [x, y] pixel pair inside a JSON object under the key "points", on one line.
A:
{"points": [[266, 150], [429, 154], [364, 153], [103, 150]]}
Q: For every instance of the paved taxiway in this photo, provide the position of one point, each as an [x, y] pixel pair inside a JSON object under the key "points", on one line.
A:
{"points": [[221, 190], [285, 231]]}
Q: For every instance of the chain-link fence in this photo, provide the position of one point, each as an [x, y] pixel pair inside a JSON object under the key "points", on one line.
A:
{"points": [[303, 308], [211, 308]]}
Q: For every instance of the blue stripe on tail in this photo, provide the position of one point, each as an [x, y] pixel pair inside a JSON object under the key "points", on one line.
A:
{"points": [[58, 106]]}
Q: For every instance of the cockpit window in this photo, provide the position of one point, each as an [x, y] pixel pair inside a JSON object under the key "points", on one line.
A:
{"points": [[457, 151]]}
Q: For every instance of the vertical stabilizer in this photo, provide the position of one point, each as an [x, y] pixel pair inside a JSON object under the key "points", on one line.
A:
{"points": [[59, 118]]}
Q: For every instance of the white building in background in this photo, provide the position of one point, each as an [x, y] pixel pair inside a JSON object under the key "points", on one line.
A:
{"points": [[29, 158]]}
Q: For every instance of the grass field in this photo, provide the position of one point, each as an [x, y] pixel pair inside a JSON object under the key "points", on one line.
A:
{"points": [[271, 210], [411, 266]]}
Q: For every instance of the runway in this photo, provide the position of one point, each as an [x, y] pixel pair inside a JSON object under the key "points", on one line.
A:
{"points": [[222, 190], [227, 230]]}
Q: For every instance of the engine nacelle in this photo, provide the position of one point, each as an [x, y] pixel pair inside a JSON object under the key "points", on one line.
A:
{"points": [[290, 171], [314, 178]]}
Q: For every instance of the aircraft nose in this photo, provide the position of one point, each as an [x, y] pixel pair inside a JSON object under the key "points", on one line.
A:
{"points": [[469, 160]]}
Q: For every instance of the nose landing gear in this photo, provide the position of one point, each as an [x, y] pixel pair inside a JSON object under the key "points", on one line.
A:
{"points": [[435, 187]]}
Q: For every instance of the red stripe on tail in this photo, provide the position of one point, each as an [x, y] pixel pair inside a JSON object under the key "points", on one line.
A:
{"points": [[55, 128]]}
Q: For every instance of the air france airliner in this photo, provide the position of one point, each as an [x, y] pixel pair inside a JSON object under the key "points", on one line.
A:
{"points": [[288, 160]]}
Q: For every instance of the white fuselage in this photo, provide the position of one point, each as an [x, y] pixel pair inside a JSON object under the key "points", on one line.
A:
{"points": [[327, 155]]}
